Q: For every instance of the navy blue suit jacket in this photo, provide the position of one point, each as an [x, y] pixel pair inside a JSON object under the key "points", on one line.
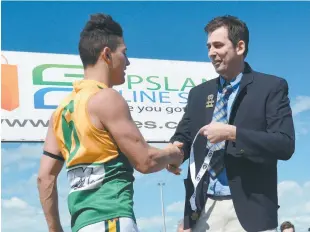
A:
{"points": [[265, 134]]}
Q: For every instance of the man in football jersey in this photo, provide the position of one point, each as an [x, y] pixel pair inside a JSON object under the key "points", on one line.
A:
{"points": [[92, 132]]}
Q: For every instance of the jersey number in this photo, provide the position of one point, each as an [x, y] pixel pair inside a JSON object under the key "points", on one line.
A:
{"points": [[69, 130]]}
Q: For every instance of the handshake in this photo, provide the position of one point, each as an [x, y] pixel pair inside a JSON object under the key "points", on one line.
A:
{"points": [[215, 132], [177, 157]]}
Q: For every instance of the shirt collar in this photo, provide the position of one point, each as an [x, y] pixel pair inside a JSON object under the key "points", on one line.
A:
{"points": [[234, 82]]}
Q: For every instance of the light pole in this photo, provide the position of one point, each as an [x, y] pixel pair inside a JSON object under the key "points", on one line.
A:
{"points": [[161, 184]]}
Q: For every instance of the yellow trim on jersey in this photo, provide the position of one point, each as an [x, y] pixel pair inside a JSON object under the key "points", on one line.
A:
{"points": [[79, 140]]}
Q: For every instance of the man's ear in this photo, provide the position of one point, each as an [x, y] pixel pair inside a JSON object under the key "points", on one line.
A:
{"points": [[240, 47], [106, 55]]}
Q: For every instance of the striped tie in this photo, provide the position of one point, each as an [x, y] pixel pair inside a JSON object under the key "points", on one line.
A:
{"points": [[219, 115]]}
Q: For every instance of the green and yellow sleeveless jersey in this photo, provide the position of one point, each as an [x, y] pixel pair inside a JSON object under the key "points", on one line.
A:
{"points": [[100, 176]]}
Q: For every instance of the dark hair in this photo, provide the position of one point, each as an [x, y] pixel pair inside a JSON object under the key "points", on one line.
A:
{"points": [[99, 32], [286, 225], [237, 30]]}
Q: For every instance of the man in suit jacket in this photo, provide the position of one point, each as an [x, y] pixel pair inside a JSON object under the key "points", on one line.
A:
{"points": [[238, 189]]}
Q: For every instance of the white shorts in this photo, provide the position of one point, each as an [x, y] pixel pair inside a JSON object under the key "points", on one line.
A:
{"points": [[114, 225]]}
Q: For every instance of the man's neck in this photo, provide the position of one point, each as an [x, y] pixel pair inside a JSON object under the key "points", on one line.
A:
{"points": [[96, 75], [234, 73]]}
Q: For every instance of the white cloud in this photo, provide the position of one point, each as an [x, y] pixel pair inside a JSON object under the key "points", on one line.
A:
{"points": [[24, 157], [286, 187], [301, 104], [14, 202], [30, 215], [176, 207], [21, 195], [302, 126], [294, 201], [22, 186], [29, 218]]}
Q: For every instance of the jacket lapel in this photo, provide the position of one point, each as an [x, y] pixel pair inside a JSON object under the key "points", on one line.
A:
{"points": [[247, 79], [210, 100]]}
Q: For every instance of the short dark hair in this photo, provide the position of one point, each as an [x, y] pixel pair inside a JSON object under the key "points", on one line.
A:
{"points": [[99, 32], [237, 29], [286, 225]]}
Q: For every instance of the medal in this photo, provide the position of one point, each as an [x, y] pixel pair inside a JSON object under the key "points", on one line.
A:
{"points": [[195, 216]]}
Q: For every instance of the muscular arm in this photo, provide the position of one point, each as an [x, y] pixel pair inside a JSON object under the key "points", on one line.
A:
{"points": [[115, 116], [50, 166], [278, 141]]}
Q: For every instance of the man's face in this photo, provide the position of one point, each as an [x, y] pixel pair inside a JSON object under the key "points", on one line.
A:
{"points": [[289, 230], [222, 53], [119, 63]]}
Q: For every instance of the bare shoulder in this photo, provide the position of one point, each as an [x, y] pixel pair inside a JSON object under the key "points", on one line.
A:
{"points": [[108, 103], [50, 143], [108, 94]]}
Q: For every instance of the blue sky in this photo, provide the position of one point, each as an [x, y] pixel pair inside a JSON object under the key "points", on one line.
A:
{"points": [[279, 44]]}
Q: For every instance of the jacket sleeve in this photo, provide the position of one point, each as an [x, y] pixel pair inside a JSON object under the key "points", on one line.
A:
{"points": [[189, 189], [182, 133], [278, 141]]}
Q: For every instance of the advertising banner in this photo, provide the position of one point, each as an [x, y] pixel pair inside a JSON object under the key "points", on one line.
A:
{"points": [[33, 84]]}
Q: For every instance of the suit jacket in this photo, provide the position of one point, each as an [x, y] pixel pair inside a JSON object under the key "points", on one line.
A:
{"points": [[265, 134]]}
